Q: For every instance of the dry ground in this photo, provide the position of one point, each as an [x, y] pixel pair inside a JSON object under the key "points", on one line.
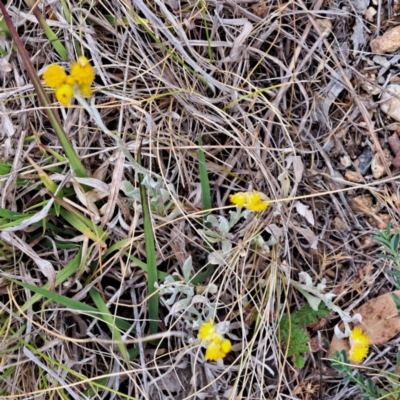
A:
{"points": [[281, 97]]}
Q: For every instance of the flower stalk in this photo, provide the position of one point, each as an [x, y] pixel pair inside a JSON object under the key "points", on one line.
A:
{"points": [[73, 158]]}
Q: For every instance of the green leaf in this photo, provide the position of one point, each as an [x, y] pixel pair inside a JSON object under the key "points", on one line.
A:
{"points": [[395, 241], [292, 335], [340, 362], [396, 300], [306, 315], [299, 361], [313, 301], [382, 240]]}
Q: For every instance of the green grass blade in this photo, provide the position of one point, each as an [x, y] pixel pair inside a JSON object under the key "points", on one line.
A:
{"points": [[203, 14], [108, 317], [81, 223], [58, 46], [206, 200], [84, 225], [61, 277], [14, 223], [119, 245], [71, 304], [12, 215], [46, 149], [4, 28], [151, 260], [66, 11], [50, 185], [76, 164], [204, 181]]}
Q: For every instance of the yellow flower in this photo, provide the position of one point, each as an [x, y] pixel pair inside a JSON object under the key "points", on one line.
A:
{"points": [[239, 199], [207, 331], [82, 71], [214, 352], [85, 90], [54, 76], [358, 338], [216, 346], [358, 353], [226, 346], [69, 80], [64, 94], [359, 345], [256, 202]]}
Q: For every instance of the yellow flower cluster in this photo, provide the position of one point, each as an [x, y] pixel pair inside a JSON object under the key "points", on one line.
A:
{"points": [[359, 345], [216, 346], [254, 201], [81, 78]]}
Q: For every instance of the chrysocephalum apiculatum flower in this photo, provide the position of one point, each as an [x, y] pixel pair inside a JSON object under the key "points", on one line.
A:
{"points": [[82, 71], [359, 343], [80, 80], [207, 330], [85, 90], [239, 199], [54, 76], [254, 201], [64, 93], [216, 346]]}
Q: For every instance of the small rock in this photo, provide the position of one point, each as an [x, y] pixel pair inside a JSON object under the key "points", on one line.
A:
{"points": [[370, 14], [340, 225], [353, 176], [388, 42], [394, 143], [362, 204], [345, 161], [5, 66], [364, 160], [390, 105], [371, 89], [378, 170], [368, 85], [324, 24], [329, 145], [382, 61]]}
